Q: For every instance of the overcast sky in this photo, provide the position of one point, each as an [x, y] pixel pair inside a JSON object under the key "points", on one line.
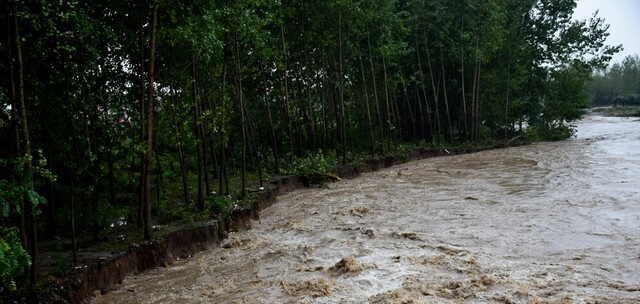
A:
{"points": [[624, 18]]}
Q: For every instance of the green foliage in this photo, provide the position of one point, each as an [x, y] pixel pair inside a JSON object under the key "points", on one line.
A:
{"points": [[169, 212], [9, 198], [105, 214], [617, 85], [219, 206], [549, 132], [312, 163], [342, 77], [61, 263], [14, 260]]}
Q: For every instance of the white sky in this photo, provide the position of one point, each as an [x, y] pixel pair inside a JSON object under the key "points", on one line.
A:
{"points": [[624, 18]]}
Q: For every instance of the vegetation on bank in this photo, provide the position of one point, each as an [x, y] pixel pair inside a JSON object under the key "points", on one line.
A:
{"points": [[618, 85], [161, 111], [619, 111]]}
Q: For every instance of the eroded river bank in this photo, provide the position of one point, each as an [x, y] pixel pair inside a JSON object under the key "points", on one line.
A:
{"points": [[551, 222]]}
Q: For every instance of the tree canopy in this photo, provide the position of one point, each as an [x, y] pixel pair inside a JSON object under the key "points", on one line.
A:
{"points": [[162, 108], [619, 84]]}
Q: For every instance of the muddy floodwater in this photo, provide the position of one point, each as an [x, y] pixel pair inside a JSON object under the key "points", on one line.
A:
{"points": [[554, 222]]}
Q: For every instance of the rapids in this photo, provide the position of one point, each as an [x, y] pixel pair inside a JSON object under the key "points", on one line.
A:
{"points": [[553, 222]]}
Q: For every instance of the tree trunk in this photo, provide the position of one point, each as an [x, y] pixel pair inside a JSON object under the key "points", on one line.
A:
{"points": [[143, 118], [272, 131], [386, 99], [159, 174], [111, 173], [375, 96], [475, 123], [424, 91], [507, 126], [286, 95], [325, 127], [446, 101], [198, 134], [15, 119], [310, 112], [243, 175], [223, 180], [181, 153], [366, 98], [341, 88], [74, 240], [409, 108], [477, 102], [210, 136], [149, 143], [464, 96], [28, 179], [433, 87]]}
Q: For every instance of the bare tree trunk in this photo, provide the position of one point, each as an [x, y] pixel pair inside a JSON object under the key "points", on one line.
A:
{"points": [[506, 106], [409, 108], [151, 97], [287, 112], [424, 91], [159, 174], [375, 96], [181, 153], [74, 240], [477, 102], [386, 98], [242, 119], [464, 96], [143, 111], [199, 136], [325, 127], [210, 137], [433, 87], [366, 98], [272, 131], [310, 112], [475, 123], [341, 88], [446, 101], [223, 180]]}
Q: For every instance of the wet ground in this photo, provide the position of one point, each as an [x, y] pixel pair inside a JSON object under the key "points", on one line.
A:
{"points": [[552, 222]]}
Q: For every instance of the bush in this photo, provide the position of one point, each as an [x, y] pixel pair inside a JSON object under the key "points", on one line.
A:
{"points": [[14, 260], [312, 163]]}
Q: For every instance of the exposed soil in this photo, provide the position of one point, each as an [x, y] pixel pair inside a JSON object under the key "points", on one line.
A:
{"points": [[104, 271], [548, 223]]}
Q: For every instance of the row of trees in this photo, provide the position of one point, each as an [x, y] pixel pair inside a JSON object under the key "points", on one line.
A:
{"points": [[619, 84], [104, 104]]}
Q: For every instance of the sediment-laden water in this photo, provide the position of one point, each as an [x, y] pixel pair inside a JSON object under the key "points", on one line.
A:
{"points": [[552, 222]]}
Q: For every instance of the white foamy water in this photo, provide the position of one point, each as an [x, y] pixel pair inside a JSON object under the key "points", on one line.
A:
{"points": [[552, 222]]}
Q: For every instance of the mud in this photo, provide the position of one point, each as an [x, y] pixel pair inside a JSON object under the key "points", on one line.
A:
{"points": [[550, 223]]}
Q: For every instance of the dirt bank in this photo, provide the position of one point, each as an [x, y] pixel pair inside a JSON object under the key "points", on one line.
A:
{"points": [[548, 223], [105, 274]]}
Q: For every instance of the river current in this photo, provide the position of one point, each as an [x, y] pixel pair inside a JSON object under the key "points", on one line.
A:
{"points": [[553, 222]]}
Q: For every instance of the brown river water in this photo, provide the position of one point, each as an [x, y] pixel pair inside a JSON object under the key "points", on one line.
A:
{"points": [[553, 222]]}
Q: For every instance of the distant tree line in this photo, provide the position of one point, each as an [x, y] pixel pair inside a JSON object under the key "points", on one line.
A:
{"points": [[140, 108], [619, 84]]}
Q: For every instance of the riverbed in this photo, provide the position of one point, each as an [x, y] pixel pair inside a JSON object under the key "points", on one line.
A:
{"points": [[553, 222]]}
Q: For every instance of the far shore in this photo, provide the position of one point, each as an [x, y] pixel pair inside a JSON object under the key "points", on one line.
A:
{"points": [[619, 111]]}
